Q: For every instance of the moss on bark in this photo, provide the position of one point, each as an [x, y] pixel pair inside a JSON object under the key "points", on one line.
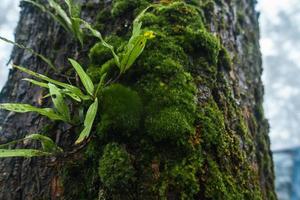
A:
{"points": [[171, 129]]}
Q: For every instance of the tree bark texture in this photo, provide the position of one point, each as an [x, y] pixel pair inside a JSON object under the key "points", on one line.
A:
{"points": [[201, 133]]}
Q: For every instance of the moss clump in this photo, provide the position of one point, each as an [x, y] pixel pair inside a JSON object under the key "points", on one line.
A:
{"points": [[182, 14], [115, 168], [120, 109], [121, 7], [225, 60], [204, 44], [181, 179], [212, 128], [169, 124]]}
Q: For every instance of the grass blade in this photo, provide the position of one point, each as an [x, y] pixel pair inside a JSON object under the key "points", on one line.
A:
{"points": [[85, 79], [47, 143], [88, 122], [23, 108], [134, 49], [60, 12], [38, 83], [58, 101], [46, 60], [98, 35], [71, 88], [56, 18], [4, 153]]}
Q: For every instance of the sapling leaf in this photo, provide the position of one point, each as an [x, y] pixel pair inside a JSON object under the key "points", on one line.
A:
{"points": [[35, 82], [4, 153], [23, 108], [70, 94], [60, 12], [45, 85], [58, 101], [100, 84], [47, 143], [71, 88], [46, 60], [98, 35], [88, 122], [85, 79], [44, 9], [77, 31], [133, 50]]}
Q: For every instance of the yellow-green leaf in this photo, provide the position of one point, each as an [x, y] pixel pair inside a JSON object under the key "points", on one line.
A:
{"points": [[85, 79], [58, 101], [4, 153], [23, 108], [88, 122], [47, 143], [133, 50], [71, 88]]}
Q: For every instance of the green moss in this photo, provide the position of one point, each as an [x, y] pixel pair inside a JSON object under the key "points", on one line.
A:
{"points": [[204, 44], [224, 60], [220, 185], [120, 110], [121, 7], [178, 95], [183, 14], [169, 124], [213, 133], [115, 168], [180, 179]]}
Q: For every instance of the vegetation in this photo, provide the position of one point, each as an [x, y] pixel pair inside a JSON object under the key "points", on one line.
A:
{"points": [[160, 129]]}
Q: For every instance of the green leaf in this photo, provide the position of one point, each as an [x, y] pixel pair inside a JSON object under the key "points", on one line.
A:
{"points": [[71, 88], [60, 12], [100, 84], [133, 50], [46, 60], [4, 153], [45, 85], [47, 143], [35, 82], [98, 35], [58, 101], [56, 18], [85, 79], [70, 94], [88, 122], [23, 108], [77, 29]]}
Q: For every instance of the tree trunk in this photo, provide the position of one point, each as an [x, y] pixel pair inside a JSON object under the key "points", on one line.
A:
{"points": [[185, 122]]}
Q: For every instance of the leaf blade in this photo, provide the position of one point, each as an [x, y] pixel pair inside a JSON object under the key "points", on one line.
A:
{"points": [[47, 143], [27, 153], [69, 87], [85, 79], [88, 122], [58, 101], [24, 108]]}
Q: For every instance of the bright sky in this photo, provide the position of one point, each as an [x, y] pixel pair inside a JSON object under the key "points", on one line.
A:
{"points": [[8, 20]]}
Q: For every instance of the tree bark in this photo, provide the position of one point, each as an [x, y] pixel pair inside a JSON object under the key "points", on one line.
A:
{"points": [[209, 60]]}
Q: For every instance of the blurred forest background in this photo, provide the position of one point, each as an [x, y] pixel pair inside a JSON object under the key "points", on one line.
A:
{"points": [[280, 45]]}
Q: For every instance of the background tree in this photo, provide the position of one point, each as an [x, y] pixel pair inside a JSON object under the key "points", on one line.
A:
{"points": [[186, 122]]}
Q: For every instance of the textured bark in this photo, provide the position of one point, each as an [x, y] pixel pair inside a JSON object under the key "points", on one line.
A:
{"points": [[235, 22]]}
